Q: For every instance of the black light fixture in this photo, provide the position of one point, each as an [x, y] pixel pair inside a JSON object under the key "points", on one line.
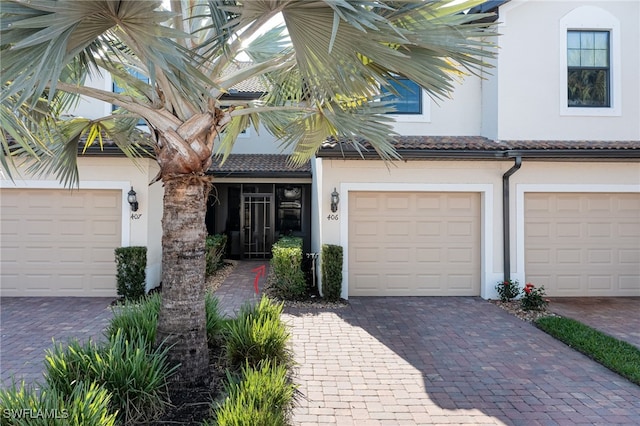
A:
{"points": [[335, 199], [133, 200]]}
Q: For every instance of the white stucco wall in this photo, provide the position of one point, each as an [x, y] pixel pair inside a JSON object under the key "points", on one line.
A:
{"points": [[457, 115], [91, 108], [530, 87], [140, 228], [484, 177]]}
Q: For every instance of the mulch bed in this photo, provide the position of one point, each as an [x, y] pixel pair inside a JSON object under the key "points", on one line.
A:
{"points": [[513, 307]]}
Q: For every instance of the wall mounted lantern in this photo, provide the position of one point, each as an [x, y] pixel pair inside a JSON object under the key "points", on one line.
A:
{"points": [[335, 199], [133, 200]]}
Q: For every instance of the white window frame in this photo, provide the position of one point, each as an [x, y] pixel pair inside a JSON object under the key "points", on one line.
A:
{"points": [[590, 18]]}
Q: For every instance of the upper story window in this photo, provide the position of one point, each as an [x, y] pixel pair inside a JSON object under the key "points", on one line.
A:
{"points": [[408, 99], [588, 78], [118, 89], [590, 63]]}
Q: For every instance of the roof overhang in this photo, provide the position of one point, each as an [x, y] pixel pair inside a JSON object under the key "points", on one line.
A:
{"points": [[272, 166], [479, 148]]}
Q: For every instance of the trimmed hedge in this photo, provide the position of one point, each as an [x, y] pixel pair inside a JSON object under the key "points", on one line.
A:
{"points": [[331, 272], [216, 247], [286, 266], [131, 263]]}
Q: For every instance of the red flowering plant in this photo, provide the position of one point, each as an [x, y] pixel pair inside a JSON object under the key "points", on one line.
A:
{"points": [[533, 298], [508, 289]]}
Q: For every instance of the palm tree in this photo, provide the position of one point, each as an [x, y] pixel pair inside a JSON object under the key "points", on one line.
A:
{"points": [[324, 66]]}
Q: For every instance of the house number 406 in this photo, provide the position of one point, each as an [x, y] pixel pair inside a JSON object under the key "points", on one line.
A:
{"points": [[332, 217]]}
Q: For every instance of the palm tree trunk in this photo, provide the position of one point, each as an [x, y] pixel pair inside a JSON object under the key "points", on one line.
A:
{"points": [[182, 320]]}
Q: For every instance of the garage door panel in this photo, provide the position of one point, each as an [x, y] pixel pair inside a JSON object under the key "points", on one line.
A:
{"points": [[428, 255], [418, 248], [629, 283], [602, 282], [461, 283], [629, 230], [593, 246], [59, 243], [629, 207], [398, 228], [428, 229], [630, 257], [398, 255], [427, 283], [460, 229], [398, 281], [565, 283], [570, 257]]}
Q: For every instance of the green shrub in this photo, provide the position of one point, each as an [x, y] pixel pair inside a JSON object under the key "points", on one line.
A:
{"points": [[286, 266], [533, 298], [131, 263], [617, 355], [87, 405], [136, 380], [216, 247], [263, 397], [214, 319], [331, 272], [508, 290], [257, 334], [136, 319]]}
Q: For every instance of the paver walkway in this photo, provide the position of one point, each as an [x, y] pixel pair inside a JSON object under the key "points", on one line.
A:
{"points": [[617, 316], [421, 360], [238, 288]]}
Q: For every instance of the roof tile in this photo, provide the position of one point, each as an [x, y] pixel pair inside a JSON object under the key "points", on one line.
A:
{"points": [[257, 163]]}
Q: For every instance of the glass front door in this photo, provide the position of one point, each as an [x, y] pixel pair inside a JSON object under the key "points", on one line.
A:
{"points": [[257, 225]]}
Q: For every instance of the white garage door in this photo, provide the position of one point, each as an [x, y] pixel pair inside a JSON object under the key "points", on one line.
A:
{"points": [[583, 244], [59, 243], [414, 244]]}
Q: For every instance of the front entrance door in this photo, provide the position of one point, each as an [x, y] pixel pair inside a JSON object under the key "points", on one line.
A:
{"points": [[257, 218]]}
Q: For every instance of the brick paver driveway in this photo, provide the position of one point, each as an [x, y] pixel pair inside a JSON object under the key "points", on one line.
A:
{"points": [[407, 361], [28, 325]]}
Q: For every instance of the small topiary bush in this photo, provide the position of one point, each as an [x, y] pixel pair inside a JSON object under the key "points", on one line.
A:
{"points": [[286, 266], [263, 397], [136, 380], [216, 247], [136, 320], [131, 263], [331, 272], [86, 405], [257, 334]]}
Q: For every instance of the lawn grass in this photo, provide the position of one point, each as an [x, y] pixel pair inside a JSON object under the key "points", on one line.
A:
{"points": [[618, 356]]}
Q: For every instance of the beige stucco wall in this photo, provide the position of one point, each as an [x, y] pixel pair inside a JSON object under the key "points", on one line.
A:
{"points": [[530, 90], [464, 176], [141, 228]]}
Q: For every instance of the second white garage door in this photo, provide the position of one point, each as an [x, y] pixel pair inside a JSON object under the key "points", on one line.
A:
{"points": [[583, 244], [58, 242], [414, 244]]}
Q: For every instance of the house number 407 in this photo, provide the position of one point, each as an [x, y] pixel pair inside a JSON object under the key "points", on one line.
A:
{"points": [[332, 217]]}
